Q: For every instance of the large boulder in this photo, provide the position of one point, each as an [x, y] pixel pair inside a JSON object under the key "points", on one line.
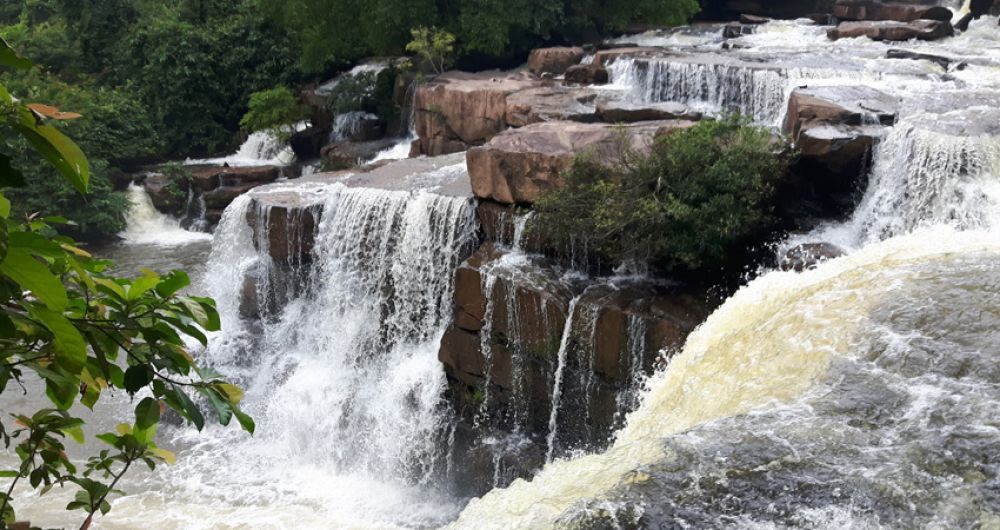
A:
{"points": [[350, 154], [808, 256], [847, 105], [586, 74], [520, 165], [460, 109], [554, 60], [620, 111], [892, 31], [874, 10], [167, 194], [552, 103]]}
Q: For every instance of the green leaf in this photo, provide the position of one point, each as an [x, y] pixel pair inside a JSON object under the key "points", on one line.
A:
{"points": [[223, 409], [8, 57], [173, 282], [245, 421], [147, 413], [197, 312], [36, 244], [137, 377], [33, 276], [71, 350], [142, 285], [59, 150]]}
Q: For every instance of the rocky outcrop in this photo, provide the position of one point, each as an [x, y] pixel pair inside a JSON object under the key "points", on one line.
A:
{"points": [[735, 29], [345, 155], [892, 31], [519, 165], [874, 10], [554, 60], [167, 194], [618, 111], [943, 62], [458, 109], [552, 103], [590, 74], [847, 105]]}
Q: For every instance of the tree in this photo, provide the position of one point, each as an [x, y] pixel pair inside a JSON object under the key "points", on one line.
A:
{"points": [[434, 46], [82, 334], [276, 110], [700, 193]]}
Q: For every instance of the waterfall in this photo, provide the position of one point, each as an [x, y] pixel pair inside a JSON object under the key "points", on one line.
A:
{"points": [[144, 224], [557, 386], [261, 148], [770, 343], [756, 91], [348, 125]]}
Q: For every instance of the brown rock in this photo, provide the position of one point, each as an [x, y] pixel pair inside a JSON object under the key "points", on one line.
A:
{"points": [[350, 154], [590, 74], [554, 60], [519, 165], [735, 29], [606, 57], [464, 107], [840, 150], [892, 31], [550, 104], [459, 353], [874, 10], [753, 19], [283, 222], [846, 105], [615, 111], [943, 62], [221, 197], [168, 195], [808, 255]]}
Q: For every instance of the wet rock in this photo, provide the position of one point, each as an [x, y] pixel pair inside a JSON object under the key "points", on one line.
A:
{"points": [[554, 60], [350, 154], [222, 196], [208, 178], [459, 108], [553, 103], [943, 62], [519, 165], [284, 222], [808, 255], [616, 111], [847, 105], [822, 19], [307, 142], [459, 353], [874, 10], [605, 57], [734, 30], [963, 23], [167, 194], [590, 74], [119, 179], [892, 31], [753, 19]]}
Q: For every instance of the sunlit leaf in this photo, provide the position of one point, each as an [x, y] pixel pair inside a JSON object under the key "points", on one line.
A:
{"points": [[33, 276], [49, 111]]}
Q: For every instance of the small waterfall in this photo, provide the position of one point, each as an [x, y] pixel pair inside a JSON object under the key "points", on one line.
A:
{"points": [[557, 386], [349, 125], [756, 91], [260, 149], [144, 224]]}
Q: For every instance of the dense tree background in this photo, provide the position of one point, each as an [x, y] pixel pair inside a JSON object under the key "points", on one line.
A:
{"points": [[170, 79]]}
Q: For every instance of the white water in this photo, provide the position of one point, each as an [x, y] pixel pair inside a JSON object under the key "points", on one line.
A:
{"points": [[398, 151], [550, 441], [146, 225], [260, 149]]}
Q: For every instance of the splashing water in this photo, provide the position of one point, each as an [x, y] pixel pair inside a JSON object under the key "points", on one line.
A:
{"points": [[146, 225]]}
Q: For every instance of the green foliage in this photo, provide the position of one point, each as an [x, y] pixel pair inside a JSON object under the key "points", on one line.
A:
{"points": [[81, 333], [700, 193], [434, 46], [367, 91], [339, 31], [276, 110]]}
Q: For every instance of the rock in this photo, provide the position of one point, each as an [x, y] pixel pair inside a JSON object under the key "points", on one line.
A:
{"points": [[286, 223], [841, 152], [605, 57], [590, 74], [848, 105], [222, 196], [963, 23], [461, 108], [753, 19], [520, 165], [874, 10], [120, 180], [808, 255], [351, 154], [892, 31], [943, 62], [822, 19], [307, 142], [460, 355], [168, 195], [554, 60], [553, 103], [734, 30], [616, 111], [238, 176]]}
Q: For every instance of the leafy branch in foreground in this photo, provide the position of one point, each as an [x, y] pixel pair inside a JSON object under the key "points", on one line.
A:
{"points": [[68, 326]]}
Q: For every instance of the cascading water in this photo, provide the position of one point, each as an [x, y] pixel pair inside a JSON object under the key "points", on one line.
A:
{"points": [[146, 225], [261, 148]]}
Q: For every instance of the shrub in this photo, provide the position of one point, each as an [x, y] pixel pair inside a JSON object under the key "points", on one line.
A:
{"points": [[434, 46], [700, 193], [276, 110]]}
